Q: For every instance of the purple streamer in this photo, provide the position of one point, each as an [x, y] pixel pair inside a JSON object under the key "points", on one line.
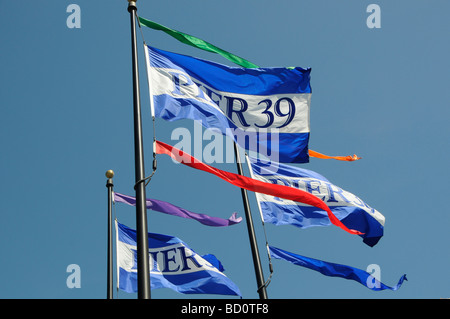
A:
{"points": [[167, 208]]}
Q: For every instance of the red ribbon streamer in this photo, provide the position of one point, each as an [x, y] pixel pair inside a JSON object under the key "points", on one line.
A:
{"points": [[252, 184]]}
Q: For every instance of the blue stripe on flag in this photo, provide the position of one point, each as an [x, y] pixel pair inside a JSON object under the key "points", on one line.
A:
{"points": [[260, 81]]}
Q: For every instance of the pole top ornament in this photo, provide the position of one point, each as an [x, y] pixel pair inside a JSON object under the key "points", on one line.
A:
{"points": [[109, 173]]}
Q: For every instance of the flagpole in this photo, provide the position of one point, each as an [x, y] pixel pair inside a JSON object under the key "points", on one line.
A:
{"points": [[143, 269], [109, 286], [251, 233]]}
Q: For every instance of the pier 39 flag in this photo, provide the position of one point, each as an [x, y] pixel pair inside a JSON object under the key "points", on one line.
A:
{"points": [[172, 265], [348, 208], [262, 109]]}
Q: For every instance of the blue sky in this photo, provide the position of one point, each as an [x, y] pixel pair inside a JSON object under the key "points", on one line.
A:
{"points": [[66, 118]]}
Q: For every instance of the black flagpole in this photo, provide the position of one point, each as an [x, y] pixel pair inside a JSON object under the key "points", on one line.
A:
{"points": [[109, 185], [251, 233], [143, 269]]}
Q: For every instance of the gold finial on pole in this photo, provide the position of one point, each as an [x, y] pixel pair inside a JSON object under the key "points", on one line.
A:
{"points": [[109, 173]]}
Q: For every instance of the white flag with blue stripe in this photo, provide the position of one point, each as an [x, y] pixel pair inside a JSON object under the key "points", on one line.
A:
{"points": [[263, 109], [348, 208], [172, 265]]}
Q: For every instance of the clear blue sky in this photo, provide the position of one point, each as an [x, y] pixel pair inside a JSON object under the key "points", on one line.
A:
{"points": [[66, 118]]}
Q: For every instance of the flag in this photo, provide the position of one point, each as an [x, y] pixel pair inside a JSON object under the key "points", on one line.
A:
{"points": [[206, 46], [348, 208], [264, 110], [172, 265], [170, 209], [334, 270], [251, 184]]}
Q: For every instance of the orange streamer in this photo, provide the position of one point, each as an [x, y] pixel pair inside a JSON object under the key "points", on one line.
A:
{"points": [[347, 158]]}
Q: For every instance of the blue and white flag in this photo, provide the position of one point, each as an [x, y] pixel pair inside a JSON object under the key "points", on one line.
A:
{"points": [[262, 109], [334, 270], [348, 208], [172, 265]]}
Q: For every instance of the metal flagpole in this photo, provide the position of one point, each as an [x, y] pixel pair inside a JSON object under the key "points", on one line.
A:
{"points": [[143, 269], [109, 286], [251, 233]]}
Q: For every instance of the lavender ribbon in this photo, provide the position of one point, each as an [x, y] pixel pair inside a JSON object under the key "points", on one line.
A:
{"points": [[167, 208]]}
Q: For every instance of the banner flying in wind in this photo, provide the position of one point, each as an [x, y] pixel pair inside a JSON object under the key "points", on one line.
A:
{"points": [[172, 265], [265, 110], [334, 270], [348, 208], [252, 184], [206, 46], [197, 43], [170, 209]]}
